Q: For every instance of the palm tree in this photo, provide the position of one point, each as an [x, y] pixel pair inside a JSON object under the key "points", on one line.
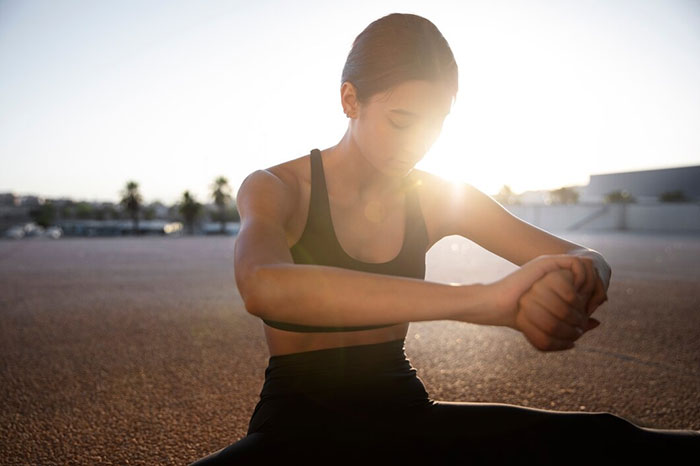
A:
{"points": [[44, 214], [673, 196], [623, 197], [221, 192], [189, 208], [131, 200], [565, 195], [506, 196]]}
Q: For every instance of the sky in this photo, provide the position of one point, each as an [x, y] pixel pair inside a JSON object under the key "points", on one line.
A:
{"points": [[172, 94]]}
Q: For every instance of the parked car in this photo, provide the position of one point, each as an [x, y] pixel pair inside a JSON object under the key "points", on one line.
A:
{"points": [[15, 232], [32, 230], [53, 232]]}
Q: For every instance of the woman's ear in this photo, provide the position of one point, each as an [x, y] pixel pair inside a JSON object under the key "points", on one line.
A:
{"points": [[348, 99]]}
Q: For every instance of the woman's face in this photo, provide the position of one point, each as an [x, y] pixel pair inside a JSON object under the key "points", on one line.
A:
{"points": [[396, 128]]}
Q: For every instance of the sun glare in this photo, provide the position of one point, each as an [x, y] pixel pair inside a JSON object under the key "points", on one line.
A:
{"points": [[526, 150], [452, 158]]}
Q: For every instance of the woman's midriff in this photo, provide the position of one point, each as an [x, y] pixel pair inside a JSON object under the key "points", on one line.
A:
{"points": [[282, 342]]}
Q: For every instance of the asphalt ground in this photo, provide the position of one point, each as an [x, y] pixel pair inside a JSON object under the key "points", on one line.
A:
{"points": [[139, 350]]}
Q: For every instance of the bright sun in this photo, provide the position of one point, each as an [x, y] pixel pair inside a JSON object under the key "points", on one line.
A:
{"points": [[452, 157], [488, 154]]}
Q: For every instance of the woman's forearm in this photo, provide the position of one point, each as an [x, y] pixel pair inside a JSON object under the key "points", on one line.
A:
{"points": [[331, 296]]}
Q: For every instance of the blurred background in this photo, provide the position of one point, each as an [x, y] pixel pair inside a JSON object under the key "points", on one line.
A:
{"points": [[114, 112]]}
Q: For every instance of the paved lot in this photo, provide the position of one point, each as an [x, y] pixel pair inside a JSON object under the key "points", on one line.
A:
{"points": [[138, 351]]}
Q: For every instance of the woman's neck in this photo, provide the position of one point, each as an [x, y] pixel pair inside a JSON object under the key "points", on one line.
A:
{"points": [[355, 177]]}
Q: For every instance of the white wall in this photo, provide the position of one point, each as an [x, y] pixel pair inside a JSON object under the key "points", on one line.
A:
{"points": [[637, 217]]}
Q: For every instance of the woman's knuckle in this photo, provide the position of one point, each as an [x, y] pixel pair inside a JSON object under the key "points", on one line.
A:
{"points": [[551, 327], [539, 284], [562, 332], [542, 346], [551, 345], [568, 333], [538, 342], [562, 310], [573, 334], [568, 295]]}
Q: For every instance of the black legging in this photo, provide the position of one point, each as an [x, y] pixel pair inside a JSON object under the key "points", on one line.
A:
{"points": [[365, 404]]}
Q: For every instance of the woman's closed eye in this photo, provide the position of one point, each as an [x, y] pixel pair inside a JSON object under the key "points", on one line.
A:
{"points": [[398, 126]]}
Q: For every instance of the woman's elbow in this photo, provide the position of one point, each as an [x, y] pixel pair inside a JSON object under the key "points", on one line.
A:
{"points": [[251, 290]]}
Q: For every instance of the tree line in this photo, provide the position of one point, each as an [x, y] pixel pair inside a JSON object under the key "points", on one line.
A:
{"points": [[131, 206]]}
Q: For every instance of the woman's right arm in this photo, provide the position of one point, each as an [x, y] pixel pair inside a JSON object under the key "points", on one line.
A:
{"points": [[274, 288]]}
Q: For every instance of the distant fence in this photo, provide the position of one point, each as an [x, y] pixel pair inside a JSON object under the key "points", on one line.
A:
{"points": [[666, 217]]}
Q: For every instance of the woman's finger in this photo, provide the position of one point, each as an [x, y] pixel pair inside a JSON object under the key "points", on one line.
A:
{"points": [[552, 292], [598, 298], [563, 285], [549, 263], [511, 288], [591, 276], [549, 323], [579, 271], [541, 340]]}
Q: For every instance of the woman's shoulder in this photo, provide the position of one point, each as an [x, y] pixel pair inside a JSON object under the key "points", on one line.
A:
{"points": [[436, 188], [287, 176], [444, 202], [280, 184], [430, 187], [291, 172]]}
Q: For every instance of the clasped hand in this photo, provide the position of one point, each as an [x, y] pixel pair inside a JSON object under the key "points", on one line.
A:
{"points": [[550, 300]]}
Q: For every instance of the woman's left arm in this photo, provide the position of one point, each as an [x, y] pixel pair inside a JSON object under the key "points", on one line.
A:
{"points": [[476, 216]]}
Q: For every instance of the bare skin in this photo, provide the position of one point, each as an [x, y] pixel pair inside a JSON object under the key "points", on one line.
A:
{"points": [[366, 173]]}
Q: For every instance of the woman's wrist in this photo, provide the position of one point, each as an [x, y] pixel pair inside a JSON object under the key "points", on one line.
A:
{"points": [[486, 306], [599, 263]]}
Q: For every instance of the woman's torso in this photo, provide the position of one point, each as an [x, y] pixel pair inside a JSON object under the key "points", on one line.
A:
{"points": [[359, 238]]}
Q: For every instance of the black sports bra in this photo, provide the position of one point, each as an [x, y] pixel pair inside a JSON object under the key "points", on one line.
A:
{"points": [[319, 245]]}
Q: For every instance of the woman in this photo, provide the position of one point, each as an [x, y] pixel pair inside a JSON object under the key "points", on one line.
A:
{"points": [[331, 256]]}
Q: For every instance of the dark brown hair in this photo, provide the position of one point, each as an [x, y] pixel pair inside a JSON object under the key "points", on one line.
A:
{"points": [[397, 48]]}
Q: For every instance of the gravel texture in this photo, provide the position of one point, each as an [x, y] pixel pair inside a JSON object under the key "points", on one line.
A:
{"points": [[139, 350]]}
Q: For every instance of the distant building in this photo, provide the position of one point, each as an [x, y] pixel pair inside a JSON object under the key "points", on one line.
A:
{"points": [[30, 201], [160, 209], [646, 185], [9, 199]]}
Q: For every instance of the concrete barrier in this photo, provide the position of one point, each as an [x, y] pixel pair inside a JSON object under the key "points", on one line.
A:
{"points": [[662, 217]]}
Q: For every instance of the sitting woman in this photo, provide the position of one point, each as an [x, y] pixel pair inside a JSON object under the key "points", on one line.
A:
{"points": [[331, 256]]}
